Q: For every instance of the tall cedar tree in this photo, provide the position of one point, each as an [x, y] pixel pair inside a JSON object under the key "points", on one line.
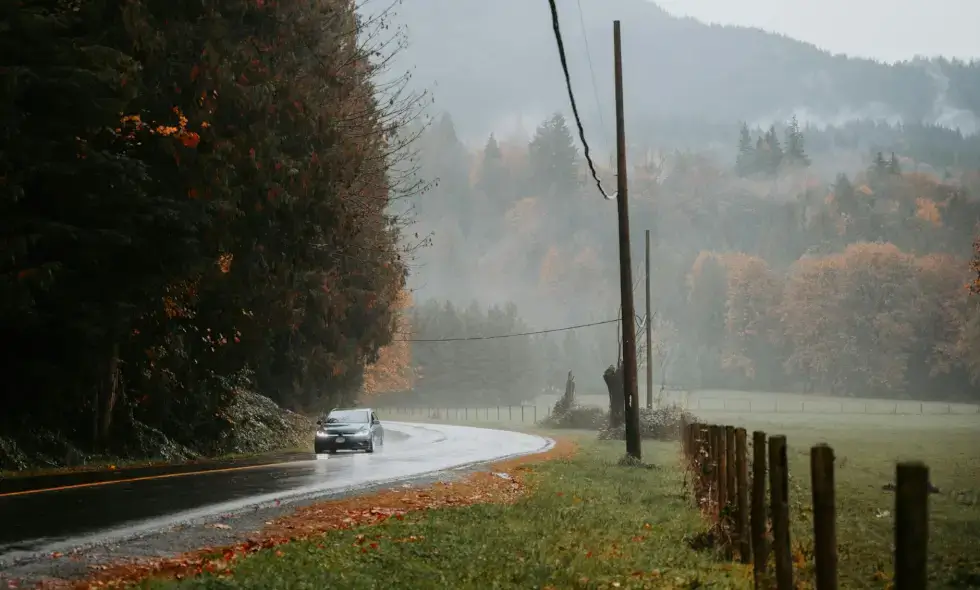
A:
{"points": [[553, 158], [230, 230], [746, 160], [90, 243], [795, 153]]}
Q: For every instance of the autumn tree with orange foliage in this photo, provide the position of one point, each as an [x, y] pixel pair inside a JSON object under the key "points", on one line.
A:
{"points": [[871, 320], [392, 372], [851, 318], [732, 299]]}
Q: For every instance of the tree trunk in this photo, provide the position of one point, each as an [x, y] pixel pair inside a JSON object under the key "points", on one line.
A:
{"points": [[617, 406], [108, 396]]}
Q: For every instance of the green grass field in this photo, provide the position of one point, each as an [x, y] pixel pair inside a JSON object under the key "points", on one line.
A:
{"points": [[866, 453], [589, 524], [593, 524]]}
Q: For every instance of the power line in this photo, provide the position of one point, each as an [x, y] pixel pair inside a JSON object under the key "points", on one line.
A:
{"points": [[588, 54], [571, 98], [566, 328]]}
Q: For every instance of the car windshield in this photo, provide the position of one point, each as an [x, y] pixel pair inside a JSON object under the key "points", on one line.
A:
{"points": [[348, 416]]}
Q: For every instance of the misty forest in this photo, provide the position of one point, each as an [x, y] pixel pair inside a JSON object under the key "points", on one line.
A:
{"points": [[219, 219]]}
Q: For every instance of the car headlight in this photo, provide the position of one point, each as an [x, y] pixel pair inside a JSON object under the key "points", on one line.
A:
{"points": [[364, 429]]}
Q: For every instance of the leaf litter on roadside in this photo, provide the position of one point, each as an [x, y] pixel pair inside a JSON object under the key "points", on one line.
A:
{"points": [[478, 488]]}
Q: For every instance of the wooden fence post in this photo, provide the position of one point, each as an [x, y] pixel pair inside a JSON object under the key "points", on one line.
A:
{"points": [[742, 498], [721, 478], [824, 516], [711, 477], [779, 503], [695, 439], [704, 458], [730, 472], [911, 525], [760, 549]]}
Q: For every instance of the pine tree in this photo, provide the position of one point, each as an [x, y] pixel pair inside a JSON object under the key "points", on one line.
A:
{"points": [[795, 153], [90, 241], [845, 195], [553, 157], [494, 180], [746, 161], [774, 151]]}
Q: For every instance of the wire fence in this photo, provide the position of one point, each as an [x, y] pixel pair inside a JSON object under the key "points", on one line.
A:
{"points": [[528, 414], [533, 413], [876, 407]]}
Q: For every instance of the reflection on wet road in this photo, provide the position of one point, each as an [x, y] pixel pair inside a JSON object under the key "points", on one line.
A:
{"points": [[48, 520]]}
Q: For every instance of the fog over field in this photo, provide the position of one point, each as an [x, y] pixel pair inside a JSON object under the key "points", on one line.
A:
{"points": [[812, 214]]}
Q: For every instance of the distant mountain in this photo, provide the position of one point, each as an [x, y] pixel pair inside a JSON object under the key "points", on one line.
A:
{"points": [[488, 62]]}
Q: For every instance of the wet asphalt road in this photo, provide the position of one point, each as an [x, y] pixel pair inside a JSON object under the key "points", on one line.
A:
{"points": [[58, 520]]}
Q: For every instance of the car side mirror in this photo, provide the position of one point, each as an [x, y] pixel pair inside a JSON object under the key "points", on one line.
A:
{"points": [[375, 421]]}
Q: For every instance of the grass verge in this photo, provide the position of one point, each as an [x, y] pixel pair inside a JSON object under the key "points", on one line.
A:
{"points": [[585, 523]]}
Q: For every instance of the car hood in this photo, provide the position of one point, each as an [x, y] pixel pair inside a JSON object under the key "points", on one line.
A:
{"points": [[342, 428]]}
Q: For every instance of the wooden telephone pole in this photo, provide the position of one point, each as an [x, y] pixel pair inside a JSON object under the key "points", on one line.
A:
{"points": [[649, 327], [630, 393]]}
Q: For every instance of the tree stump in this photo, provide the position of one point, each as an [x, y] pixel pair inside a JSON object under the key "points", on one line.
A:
{"points": [[566, 401], [613, 376]]}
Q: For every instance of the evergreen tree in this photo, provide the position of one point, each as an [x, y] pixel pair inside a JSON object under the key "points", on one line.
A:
{"points": [[845, 195], [447, 165], [494, 180], [774, 151], [746, 161], [553, 157], [795, 153], [90, 242], [185, 212]]}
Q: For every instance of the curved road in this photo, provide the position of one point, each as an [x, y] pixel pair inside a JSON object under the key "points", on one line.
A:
{"points": [[43, 522]]}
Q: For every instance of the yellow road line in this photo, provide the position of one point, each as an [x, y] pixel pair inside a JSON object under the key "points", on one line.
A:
{"points": [[132, 479]]}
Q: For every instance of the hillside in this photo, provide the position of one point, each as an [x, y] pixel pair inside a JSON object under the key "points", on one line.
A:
{"points": [[502, 63]]}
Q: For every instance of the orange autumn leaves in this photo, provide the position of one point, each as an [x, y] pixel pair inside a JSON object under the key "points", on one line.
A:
{"points": [[861, 318], [308, 522], [134, 123], [393, 372]]}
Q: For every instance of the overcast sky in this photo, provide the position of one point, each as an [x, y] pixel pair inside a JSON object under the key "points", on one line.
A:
{"points": [[882, 29]]}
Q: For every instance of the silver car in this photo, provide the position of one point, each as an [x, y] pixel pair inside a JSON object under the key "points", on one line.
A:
{"points": [[356, 429]]}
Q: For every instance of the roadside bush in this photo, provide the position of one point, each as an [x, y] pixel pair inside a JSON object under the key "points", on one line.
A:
{"points": [[661, 423], [577, 417]]}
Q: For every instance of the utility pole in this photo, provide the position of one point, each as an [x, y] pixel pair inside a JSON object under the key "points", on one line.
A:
{"points": [[649, 326], [630, 393]]}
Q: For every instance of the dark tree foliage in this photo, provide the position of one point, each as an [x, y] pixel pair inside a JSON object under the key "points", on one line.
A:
{"points": [[488, 371], [768, 156], [193, 200], [553, 158]]}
